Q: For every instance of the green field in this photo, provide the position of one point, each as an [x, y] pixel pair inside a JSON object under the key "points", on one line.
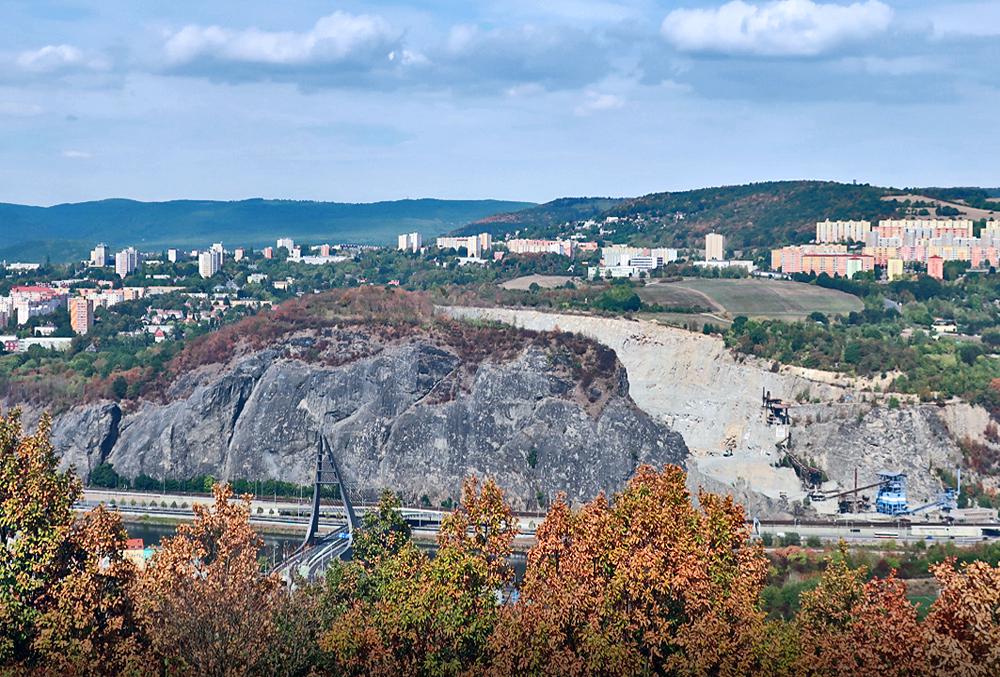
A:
{"points": [[776, 299]]}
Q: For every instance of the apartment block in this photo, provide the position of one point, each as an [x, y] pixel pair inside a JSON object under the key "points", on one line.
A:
{"points": [[81, 314], [715, 247], [410, 242], [842, 231], [526, 246], [126, 262]]}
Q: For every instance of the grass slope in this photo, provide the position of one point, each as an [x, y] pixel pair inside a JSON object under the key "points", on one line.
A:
{"points": [[773, 299]]}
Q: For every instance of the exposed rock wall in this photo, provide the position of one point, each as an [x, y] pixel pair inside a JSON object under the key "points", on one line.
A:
{"points": [[517, 422], [712, 398]]}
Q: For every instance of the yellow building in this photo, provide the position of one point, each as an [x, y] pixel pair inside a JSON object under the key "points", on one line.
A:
{"points": [[894, 269]]}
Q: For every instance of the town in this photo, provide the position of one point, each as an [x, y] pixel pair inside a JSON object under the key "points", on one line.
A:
{"points": [[198, 288]]}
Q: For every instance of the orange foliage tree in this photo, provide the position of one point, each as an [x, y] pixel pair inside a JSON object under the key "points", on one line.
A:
{"points": [[205, 603], [410, 614], [646, 583]]}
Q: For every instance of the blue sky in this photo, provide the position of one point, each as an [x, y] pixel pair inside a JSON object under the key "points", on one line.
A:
{"points": [[520, 99]]}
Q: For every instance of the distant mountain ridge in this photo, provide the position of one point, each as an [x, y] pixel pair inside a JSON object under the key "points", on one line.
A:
{"points": [[68, 230], [750, 215]]}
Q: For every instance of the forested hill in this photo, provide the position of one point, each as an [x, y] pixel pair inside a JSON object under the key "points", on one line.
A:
{"points": [[756, 214], [69, 230]]}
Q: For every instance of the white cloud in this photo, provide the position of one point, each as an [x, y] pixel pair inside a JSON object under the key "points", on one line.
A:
{"points": [[52, 58], [598, 101], [76, 154], [782, 28], [333, 38]]}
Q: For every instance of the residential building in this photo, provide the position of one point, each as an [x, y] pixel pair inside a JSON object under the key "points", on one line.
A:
{"points": [[524, 246], [748, 266], [99, 256], [789, 259], [126, 262], [286, 242], [172, 255], [324, 250], [268, 252], [209, 263], [475, 245], [239, 253], [935, 267], [715, 247], [894, 269], [28, 301], [81, 314], [410, 242], [842, 231]]}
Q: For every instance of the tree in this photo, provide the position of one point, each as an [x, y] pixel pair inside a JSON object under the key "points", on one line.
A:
{"points": [[410, 614], [962, 629], [645, 584], [848, 627], [36, 515], [88, 623], [383, 533], [119, 387], [204, 602]]}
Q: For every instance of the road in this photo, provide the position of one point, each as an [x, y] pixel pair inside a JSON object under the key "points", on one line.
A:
{"points": [[310, 563]]}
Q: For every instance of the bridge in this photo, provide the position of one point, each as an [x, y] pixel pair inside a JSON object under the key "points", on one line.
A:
{"points": [[316, 552]]}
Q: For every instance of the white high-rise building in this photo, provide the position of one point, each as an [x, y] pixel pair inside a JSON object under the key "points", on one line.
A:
{"points": [[411, 242], [172, 255], [715, 247], [126, 262], [99, 256], [210, 262], [286, 242], [239, 253]]}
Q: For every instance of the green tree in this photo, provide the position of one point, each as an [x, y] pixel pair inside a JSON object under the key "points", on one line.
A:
{"points": [[383, 532], [36, 502]]}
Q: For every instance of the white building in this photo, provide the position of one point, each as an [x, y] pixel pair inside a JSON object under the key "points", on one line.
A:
{"points": [[286, 242], [172, 255], [210, 262], [126, 262], [99, 256], [715, 247], [842, 231], [410, 242], [749, 266], [239, 253], [475, 245]]}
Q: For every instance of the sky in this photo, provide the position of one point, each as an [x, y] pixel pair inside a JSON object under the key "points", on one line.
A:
{"points": [[516, 99]]}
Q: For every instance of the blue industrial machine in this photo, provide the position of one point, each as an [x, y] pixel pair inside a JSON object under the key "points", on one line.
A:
{"points": [[891, 499]]}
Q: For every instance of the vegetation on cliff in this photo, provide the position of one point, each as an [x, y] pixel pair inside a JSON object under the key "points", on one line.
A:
{"points": [[641, 583]]}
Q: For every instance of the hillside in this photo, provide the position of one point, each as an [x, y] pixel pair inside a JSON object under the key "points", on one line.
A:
{"points": [[751, 215], [405, 400], [542, 218], [68, 230]]}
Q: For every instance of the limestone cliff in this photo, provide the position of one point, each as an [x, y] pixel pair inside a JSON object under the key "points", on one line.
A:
{"points": [[414, 414]]}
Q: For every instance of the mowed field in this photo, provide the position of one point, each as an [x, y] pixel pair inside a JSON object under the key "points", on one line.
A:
{"points": [[776, 299]]}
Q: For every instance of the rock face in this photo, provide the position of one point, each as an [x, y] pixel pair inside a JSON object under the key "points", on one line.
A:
{"points": [[713, 399], [388, 424]]}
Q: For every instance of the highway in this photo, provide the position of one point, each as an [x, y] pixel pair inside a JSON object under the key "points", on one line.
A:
{"points": [[310, 563]]}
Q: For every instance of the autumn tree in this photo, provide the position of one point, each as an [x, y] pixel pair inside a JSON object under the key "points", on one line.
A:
{"points": [[87, 624], [411, 614], [848, 626], [962, 629], [204, 601], [645, 583], [64, 584], [36, 516]]}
